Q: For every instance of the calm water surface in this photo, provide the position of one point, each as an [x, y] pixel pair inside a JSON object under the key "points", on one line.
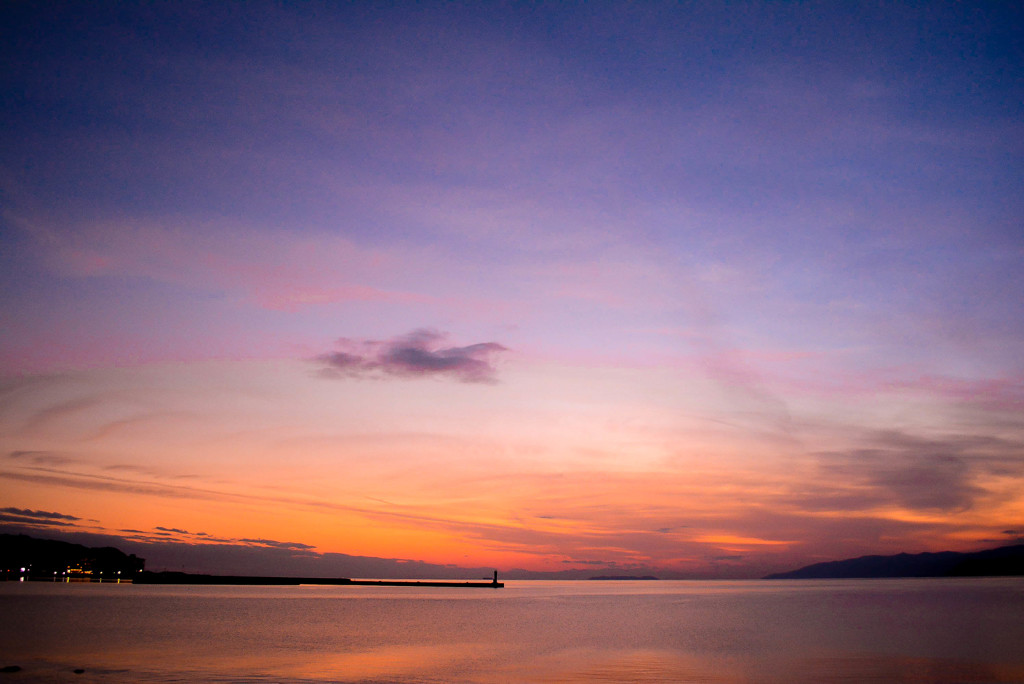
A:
{"points": [[921, 630]]}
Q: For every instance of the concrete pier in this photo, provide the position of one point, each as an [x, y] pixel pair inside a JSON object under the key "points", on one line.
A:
{"points": [[186, 578]]}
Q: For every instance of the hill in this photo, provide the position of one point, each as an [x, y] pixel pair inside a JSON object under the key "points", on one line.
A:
{"points": [[26, 557], [1003, 561]]}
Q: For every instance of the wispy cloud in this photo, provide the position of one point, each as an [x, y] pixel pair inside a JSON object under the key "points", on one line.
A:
{"points": [[293, 546], [419, 353], [185, 536], [920, 474], [275, 273], [42, 458]]}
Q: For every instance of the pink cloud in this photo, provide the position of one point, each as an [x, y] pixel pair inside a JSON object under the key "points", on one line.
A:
{"points": [[273, 269]]}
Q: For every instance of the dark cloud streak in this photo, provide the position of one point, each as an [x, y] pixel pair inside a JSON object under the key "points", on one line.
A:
{"points": [[291, 546], [36, 519], [417, 354], [44, 515]]}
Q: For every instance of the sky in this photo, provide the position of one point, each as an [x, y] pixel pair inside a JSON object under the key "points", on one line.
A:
{"points": [[561, 289]]}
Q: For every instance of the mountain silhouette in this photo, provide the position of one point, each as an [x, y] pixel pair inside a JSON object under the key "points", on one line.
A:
{"points": [[999, 562]]}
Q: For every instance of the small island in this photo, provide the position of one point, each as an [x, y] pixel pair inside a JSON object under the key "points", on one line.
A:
{"points": [[623, 577]]}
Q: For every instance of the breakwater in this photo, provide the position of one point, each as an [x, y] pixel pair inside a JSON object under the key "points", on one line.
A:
{"points": [[189, 578]]}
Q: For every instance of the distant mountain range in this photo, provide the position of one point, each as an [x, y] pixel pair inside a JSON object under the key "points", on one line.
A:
{"points": [[1003, 561]]}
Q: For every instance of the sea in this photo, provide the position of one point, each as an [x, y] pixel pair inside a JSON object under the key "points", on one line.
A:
{"points": [[882, 630]]}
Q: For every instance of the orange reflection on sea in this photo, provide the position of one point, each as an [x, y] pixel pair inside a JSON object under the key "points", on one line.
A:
{"points": [[620, 665], [388, 662]]}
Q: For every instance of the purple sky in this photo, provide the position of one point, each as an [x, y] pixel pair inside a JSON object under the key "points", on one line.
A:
{"points": [[705, 289]]}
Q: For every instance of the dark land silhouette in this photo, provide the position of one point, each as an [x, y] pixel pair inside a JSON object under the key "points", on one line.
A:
{"points": [[1004, 561], [24, 557]]}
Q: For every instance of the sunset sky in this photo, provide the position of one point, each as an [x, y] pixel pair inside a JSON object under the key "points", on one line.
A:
{"points": [[689, 289]]}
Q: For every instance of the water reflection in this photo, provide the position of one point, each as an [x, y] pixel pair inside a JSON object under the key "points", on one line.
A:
{"points": [[853, 631], [640, 665], [404, 663]]}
